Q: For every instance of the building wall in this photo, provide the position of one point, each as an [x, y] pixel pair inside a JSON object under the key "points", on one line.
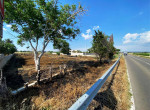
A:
{"points": [[76, 54]]}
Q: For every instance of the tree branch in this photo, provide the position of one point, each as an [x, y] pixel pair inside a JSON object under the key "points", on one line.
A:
{"points": [[78, 11], [32, 46], [36, 43], [44, 46]]}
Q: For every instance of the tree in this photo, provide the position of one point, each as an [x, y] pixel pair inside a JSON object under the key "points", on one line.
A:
{"points": [[41, 20], [100, 45], [111, 50], [8, 41], [62, 45], [90, 50], [7, 47]]}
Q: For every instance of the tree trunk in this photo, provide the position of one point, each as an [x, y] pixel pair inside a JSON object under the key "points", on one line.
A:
{"points": [[37, 66], [38, 76], [37, 61]]}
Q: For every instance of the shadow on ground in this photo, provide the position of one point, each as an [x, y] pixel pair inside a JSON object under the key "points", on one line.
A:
{"points": [[10, 71], [21, 101], [106, 99]]}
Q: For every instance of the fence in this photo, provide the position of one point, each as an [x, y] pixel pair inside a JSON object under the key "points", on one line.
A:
{"points": [[83, 102]]}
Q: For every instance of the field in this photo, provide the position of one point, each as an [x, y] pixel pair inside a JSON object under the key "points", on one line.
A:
{"points": [[142, 54], [62, 91]]}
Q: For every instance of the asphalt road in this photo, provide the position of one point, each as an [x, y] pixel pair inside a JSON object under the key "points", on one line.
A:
{"points": [[139, 73]]}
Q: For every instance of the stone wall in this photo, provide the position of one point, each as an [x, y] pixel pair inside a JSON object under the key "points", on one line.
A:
{"points": [[4, 60], [1, 56]]}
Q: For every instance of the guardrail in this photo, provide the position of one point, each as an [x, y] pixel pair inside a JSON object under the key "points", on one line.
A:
{"points": [[83, 102]]}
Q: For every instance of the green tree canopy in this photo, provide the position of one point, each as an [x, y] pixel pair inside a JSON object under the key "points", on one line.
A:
{"points": [[99, 45], [62, 45], [42, 20], [7, 47], [102, 46]]}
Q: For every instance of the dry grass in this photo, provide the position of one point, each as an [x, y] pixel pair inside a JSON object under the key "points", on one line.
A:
{"points": [[121, 87], [114, 95], [63, 91], [21, 68]]}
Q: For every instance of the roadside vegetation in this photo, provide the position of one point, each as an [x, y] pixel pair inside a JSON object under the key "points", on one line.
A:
{"points": [[64, 78], [62, 91], [7, 47], [42, 21], [103, 46], [142, 54]]}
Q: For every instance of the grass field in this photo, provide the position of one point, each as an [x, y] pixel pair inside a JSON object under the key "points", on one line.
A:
{"points": [[63, 91], [142, 54]]}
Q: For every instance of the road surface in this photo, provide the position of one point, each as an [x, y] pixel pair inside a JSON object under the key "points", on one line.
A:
{"points": [[139, 73]]}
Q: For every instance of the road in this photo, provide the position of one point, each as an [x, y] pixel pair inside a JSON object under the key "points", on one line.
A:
{"points": [[139, 73]]}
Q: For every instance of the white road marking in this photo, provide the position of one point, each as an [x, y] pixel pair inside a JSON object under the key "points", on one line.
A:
{"points": [[131, 91]]}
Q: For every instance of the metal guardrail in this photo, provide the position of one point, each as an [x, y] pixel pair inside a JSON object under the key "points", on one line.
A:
{"points": [[83, 102]]}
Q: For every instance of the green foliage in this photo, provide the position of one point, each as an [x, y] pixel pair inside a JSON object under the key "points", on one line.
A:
{"points": [[90, 50], [50, 52], [79, 51], [58, 53], [142, 53], [118, 50], [62, 45], [41, 19], [101, 46], [111, 50], [7, 47]]}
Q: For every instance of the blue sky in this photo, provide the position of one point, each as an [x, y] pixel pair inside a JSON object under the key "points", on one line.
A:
{"points": [[127, 20]]}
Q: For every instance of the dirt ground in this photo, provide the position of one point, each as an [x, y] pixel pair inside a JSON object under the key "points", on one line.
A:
{"points": [[21, 68], [63, 91]]}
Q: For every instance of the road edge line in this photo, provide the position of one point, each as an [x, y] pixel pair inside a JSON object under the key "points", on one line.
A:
{"points": [[132, 98]]}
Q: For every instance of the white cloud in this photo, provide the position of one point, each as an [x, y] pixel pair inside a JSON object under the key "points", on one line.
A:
{"points": [[88, 34], [95, 27], [145, 37], [136, 42], [88, 31], [140, 38], [129, 38], [8, 25], [4, 29]]}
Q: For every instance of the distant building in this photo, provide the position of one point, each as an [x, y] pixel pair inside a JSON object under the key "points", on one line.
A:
{"points": [[1, 17], [76, 53]]}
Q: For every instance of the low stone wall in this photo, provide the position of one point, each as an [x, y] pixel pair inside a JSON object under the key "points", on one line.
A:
{"points": [[4, 60], [1, 56]]}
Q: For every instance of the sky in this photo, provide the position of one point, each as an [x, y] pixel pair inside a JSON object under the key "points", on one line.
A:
{"points": [[127, 20]]}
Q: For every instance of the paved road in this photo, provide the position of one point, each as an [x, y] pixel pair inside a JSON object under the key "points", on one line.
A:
{"points": [[139, 73]]}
